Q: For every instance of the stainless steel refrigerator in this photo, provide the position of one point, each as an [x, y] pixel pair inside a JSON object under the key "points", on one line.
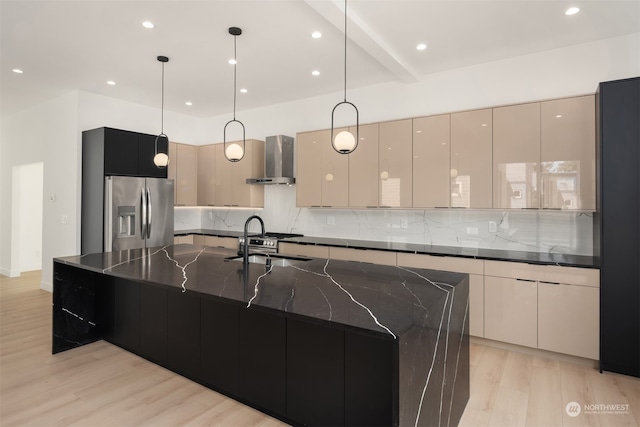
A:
{"points": [[138, 212]]}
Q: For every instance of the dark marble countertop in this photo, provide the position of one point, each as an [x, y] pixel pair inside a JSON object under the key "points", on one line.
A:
{"points": [[384, 300], [566, 260]]}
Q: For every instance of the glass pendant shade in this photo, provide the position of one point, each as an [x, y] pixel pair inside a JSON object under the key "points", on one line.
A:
{"points": [[234, 152], [344, 142]]}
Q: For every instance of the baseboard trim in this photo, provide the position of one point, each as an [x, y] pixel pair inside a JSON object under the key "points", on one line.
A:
{"points": [[537, 352]]}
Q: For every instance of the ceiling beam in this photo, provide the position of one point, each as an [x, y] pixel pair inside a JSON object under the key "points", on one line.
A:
{"points": [[366, 37]]}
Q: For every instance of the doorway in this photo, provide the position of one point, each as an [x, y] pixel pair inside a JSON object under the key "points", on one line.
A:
{"points": [[26, 217]]}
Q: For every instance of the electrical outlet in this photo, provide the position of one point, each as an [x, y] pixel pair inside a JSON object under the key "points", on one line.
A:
{"points": [[210, 216], [493, 227], [331, 220], [64, 219], [472, 230], [403, 223]]}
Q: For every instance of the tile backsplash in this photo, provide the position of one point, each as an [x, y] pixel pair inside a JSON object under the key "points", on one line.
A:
{"points": [[536, 231]]}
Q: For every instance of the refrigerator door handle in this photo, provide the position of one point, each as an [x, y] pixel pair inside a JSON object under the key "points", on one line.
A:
{"points": [[143, 216], [148, 213]]}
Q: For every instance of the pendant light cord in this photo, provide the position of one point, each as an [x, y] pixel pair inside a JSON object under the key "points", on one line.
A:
{"points": [[162, 104], [235, 72], [345, 50]]}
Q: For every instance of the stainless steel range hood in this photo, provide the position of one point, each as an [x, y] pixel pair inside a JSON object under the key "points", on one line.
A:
{"points": [[278, 161]]}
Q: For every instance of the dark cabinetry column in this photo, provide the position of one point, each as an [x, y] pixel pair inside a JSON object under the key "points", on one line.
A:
{"points": [[126, 332], [315, 374], [618, 160], [120, 152], [262, 378], [153, 323], [184, 333], [219, 341]]}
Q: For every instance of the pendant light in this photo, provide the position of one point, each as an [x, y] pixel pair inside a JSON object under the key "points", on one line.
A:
{"points": [[344, 142], [234, 152], [161, 159]]}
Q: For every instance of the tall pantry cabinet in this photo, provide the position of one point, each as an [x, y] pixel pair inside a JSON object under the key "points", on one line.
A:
{"points": [[617, 224]]}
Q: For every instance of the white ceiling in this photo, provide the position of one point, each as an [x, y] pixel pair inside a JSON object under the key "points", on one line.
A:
{"points": [[68, 45]]}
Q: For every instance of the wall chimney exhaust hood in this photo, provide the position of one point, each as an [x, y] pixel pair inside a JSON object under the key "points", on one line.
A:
{"points": [[278, 161]]}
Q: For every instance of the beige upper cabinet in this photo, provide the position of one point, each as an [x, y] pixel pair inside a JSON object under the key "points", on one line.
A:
{"points": [[309, 167], [431, 168], [471, 159], [363, 168], [186, 181], [231, 188], [172, 168], [322, 173], [516, 156], [395, 166], [568, 153], [335, 175], [206, 175], [222, 173]]}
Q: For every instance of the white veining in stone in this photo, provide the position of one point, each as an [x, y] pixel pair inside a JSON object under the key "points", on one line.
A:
{"points": [[184, 268], [143, 256], [563, 232], [448, 300], [255, 288], [455, 377], [78, 317]]}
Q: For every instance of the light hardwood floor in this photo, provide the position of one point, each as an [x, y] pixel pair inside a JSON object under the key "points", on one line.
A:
{"points": [[102, 385]]}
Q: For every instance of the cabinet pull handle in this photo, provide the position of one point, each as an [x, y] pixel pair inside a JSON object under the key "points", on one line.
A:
{"points": [[315, 206], [441, 207], [552, 209], [370, 207], [549, 283], [526, 280], [531, 209]]}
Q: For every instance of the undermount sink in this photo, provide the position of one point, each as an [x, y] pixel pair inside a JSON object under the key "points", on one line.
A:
{"points": [[278, 260]]}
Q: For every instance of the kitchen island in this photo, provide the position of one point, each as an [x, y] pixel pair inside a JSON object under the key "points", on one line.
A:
{"points": [[318, 342]]}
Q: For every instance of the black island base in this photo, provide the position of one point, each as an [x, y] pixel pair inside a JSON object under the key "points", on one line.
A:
{"points": [[317, 342]]}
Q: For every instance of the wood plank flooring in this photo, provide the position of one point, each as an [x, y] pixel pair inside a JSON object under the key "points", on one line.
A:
{"points": [[103, 385]]}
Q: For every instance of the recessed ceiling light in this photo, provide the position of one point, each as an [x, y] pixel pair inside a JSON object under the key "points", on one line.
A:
{"points": [[558, 116], [189, 103], [315, 73], [148, 24], [17, 71], [243, 90], [232, 61], [483, 125], [316, 34], [111, 83], [421, 46], [572, 11]]}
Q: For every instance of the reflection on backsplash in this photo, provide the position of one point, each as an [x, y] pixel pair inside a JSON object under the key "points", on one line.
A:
{"points": [[537, 231]]}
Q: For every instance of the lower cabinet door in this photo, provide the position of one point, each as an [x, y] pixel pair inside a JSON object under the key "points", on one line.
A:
{"points": [[183, 333], [127, 314], [369, 384], [262, 376], [219, 343], [568, 319], [476, 305], [153, 323], [315, 374], [511, 310]]}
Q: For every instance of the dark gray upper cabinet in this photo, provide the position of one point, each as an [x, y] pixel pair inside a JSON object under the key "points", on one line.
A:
{"points": [[121, 152]]}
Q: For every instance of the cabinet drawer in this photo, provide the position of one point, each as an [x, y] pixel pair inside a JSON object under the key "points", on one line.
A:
{"points": [[458, 265], [363, 255], [311, 251], [543, 273], [568, 319], [511, 311]]}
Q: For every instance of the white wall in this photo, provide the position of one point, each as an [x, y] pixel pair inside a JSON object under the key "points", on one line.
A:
{"points": [[28, 192], [45, 133]]}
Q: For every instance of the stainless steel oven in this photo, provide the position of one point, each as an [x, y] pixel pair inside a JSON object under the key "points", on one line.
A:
{"points": [[264, 244]]}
